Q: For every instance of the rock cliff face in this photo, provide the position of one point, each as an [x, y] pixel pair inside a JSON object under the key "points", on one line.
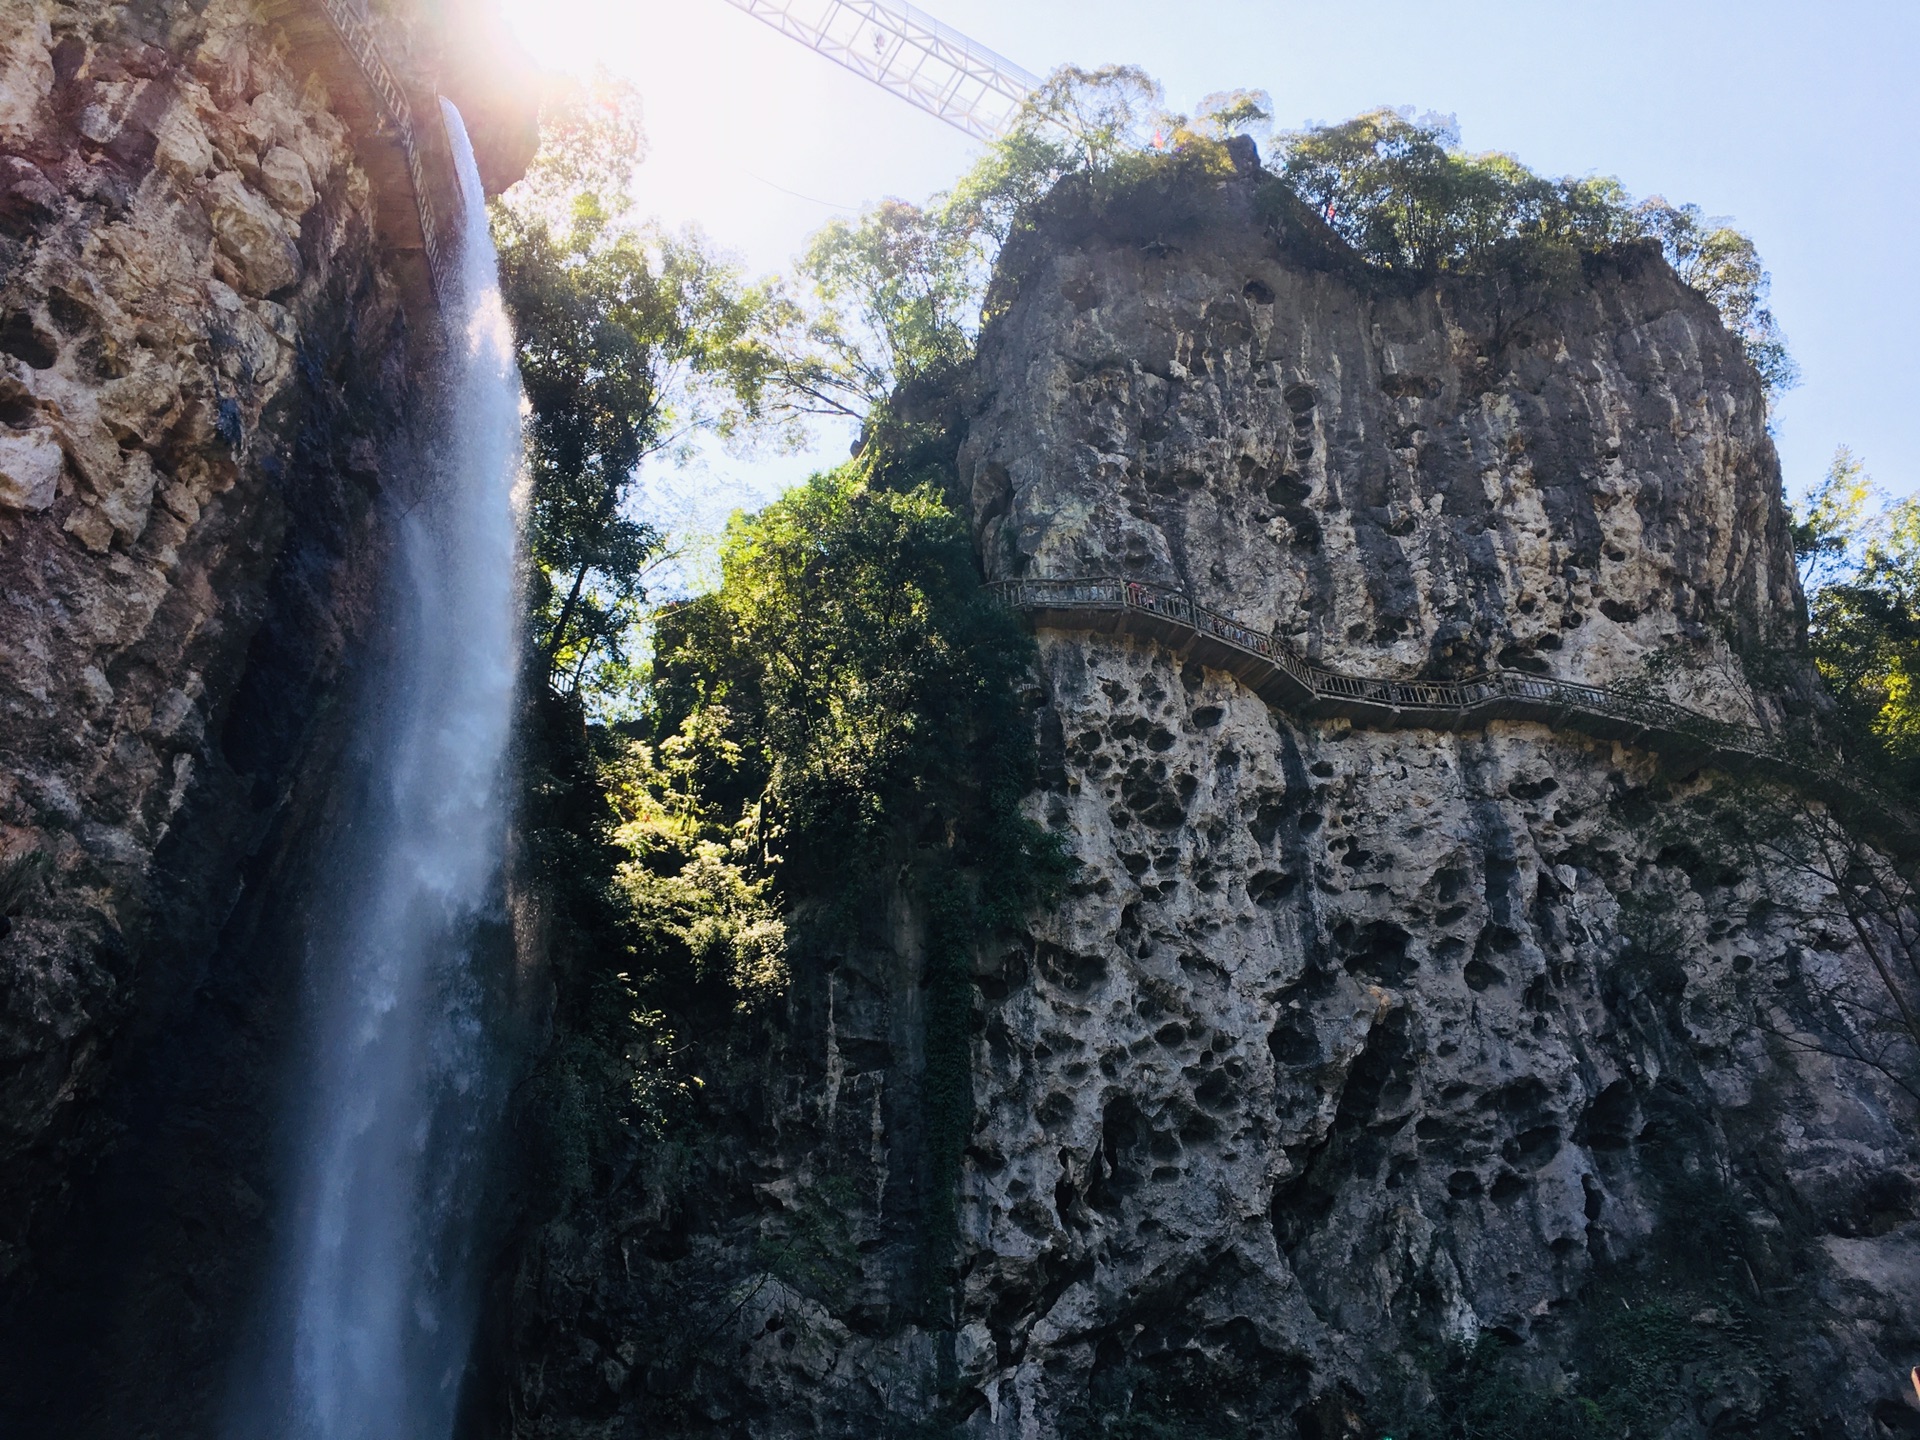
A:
{"points": [[1361, 1073], [185, 227], [207, 358], [1403, 482], [1350, 1044]]}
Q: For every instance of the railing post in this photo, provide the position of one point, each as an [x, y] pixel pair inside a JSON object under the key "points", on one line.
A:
{"points": [[1556, 701]]}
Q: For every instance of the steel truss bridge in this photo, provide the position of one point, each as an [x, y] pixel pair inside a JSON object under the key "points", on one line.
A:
{"points": [[910, 54], [900, 48]]}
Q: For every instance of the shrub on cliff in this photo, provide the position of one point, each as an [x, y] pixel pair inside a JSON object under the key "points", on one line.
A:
{"points": [[873, 738], [1403, 193], [897, 293], [839, 716], [1859, 553]]}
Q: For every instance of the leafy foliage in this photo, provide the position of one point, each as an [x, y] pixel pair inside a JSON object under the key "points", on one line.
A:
{"points": [[872, 683], [857, 649], [839, 716], [896, 294], [1403, 194], [1723, 265], [1859, 554], [1402, 191], [894, 297], [630, 340], [591, 141]]}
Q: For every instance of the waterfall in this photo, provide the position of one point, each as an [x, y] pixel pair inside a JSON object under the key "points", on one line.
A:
{"points": [[369, 1317]]}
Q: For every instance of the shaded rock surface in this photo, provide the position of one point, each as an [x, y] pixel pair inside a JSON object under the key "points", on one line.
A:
{"points": [[206, 372], [1358, 1069]]}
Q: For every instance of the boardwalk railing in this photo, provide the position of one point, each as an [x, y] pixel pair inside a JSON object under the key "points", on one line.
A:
{"points": [[397, 111], [408, 159], [1270, 667]]}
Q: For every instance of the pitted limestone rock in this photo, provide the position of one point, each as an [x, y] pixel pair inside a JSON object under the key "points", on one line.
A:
{"points": [[1345, 1051], [1400, 480], [1339, 1049], [1347, 1045]]}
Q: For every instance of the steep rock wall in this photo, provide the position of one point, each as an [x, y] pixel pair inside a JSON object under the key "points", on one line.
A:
{"points": [[1360, 1074], [189, 245], [1350, 1045], [209, 353], [1559, 474]]}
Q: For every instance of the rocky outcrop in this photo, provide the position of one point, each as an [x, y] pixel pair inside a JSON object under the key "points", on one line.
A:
{"points": [[1361, 1075], [1352, 1045], [1403, 481], [187, 231], [208, 355]]}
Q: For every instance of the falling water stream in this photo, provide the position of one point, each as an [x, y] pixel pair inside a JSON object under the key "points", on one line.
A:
{"points": [[369, 1318]]}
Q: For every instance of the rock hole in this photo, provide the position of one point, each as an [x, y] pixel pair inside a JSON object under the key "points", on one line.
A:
{"points": [[1376, 951], [1481, 976], [1215, 1092], [1533, 1147], [68, 313], [1267, 888], [1521, 657], [1294, 1042], [19, 339], [1068, 970], [1288, 489], [1120, 1138], [1610, 1121]]}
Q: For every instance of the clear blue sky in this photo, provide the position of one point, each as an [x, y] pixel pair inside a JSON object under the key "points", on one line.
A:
{"points": [[1799, 122]]}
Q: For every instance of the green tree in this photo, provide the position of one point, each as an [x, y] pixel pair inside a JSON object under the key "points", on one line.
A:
{"points": [[1402, 191], [631, 341], [1831, 527], [1723, 265], [895, 295], [850, 637], [871, 686], [895, 300], [1859, 553]]}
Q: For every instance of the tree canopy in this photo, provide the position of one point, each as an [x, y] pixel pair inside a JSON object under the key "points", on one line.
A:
{"points": [[1859, 553], [630, 340], [896, 293], [1403, 192]]}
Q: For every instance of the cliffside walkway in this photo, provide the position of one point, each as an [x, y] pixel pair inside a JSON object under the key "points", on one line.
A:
{"points": [[1273, 670], [410, 163]]}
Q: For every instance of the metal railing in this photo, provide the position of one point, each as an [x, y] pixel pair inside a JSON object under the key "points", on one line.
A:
{"points": [[908, 52], [1444, 703], [397, 111], [1279, 674]]}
